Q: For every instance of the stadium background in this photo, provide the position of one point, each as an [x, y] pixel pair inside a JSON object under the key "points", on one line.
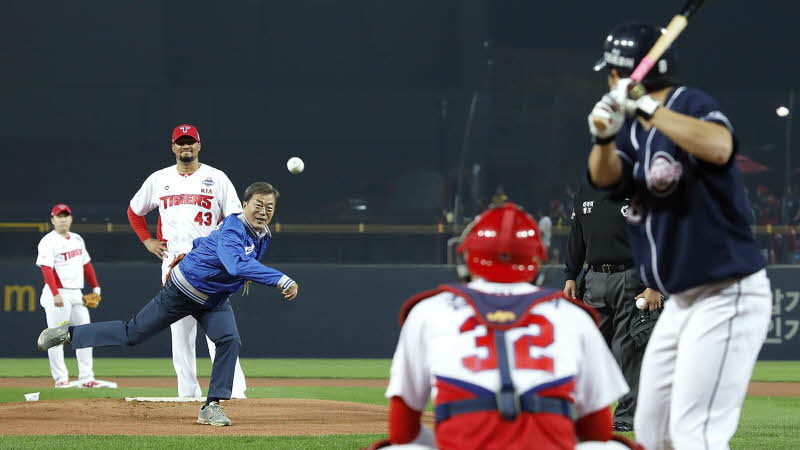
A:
{"points": [[409, 116]]}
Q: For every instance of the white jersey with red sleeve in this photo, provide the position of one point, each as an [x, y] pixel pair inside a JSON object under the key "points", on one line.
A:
{"points": [[444, 353], [66, 255], [189, 206]]}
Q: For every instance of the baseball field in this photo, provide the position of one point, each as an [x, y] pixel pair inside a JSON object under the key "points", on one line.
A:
{"points": [[292, 404]]}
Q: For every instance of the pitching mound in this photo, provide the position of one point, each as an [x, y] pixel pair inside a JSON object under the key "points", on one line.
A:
{"points": [[250, 417]]}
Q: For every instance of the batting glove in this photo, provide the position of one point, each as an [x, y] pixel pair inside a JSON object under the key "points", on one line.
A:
{"points": [[644, 107], [611, 115]]}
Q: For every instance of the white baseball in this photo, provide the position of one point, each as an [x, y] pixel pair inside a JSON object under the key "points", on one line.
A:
{"points": [[295, 165], [641, 303]]}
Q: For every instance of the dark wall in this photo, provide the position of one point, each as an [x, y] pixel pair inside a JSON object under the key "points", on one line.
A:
{"points": [[343, 310], [373, 95], [91, 92]]}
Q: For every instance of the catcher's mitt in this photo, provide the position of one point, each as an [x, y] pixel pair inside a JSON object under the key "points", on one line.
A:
{"points": [[91, 300], [642, 327]]}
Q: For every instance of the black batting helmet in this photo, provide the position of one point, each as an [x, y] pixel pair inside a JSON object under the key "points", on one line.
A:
{"points": [[627, 45]]}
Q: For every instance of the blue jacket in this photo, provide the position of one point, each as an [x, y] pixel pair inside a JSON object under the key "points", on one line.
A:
{"points": [[220, 263]]}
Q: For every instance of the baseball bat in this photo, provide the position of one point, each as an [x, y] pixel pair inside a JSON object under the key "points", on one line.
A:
{"points": [[674, 29]]}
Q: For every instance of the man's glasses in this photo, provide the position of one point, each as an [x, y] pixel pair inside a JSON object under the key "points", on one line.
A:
{"points": [[262, 208]]}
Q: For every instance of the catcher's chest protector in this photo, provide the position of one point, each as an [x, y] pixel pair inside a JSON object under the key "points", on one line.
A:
{"points": [[500, 312]]}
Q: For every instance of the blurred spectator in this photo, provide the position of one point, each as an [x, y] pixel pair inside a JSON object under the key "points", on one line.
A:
{"points": [[766, 206], [789, 206], [546, 230], [499, 197], [557, 214]]}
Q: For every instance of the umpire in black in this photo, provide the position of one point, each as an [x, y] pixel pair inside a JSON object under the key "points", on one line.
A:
{"points": [[599, 238]]}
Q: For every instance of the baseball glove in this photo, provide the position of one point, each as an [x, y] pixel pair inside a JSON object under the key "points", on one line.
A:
{"points": [[642, 327], [91, 300]]}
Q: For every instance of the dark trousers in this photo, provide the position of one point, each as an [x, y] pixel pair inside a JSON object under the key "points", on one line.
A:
{"points": [[165, 308], [613, 296]]}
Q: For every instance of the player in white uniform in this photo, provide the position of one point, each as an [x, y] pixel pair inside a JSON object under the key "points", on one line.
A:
{"points": [[65, 263], [191, 199], [507, 365]]}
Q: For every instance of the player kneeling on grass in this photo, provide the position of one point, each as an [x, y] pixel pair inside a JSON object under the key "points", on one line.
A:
{"points": [[509, 365], [200, 285]]}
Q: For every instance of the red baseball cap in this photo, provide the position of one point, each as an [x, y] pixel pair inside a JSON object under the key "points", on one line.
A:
{"points": [[185, 130], [59, 208]]}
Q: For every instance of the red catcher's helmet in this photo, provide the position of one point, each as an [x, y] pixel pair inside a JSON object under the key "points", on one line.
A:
{"points": [[504, 245]]}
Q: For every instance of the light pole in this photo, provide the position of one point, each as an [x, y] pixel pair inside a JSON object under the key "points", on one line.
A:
{"points": [[787, 113]]}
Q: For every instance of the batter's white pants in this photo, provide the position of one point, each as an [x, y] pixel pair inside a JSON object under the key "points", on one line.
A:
{"points": [[74, 311], [184, 337], [698, 363]]}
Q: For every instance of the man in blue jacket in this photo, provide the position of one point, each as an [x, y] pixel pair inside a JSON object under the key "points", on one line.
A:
{"points": [[200, 285]]}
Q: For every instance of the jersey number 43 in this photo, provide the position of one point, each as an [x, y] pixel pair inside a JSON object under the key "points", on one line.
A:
{"points": [[199, 218], [522, 354]]}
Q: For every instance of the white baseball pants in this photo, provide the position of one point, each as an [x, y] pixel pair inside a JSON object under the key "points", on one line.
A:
{"points": [[74, 311], [698, 363]]}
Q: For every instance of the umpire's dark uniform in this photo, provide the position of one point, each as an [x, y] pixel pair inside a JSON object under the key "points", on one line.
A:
{"points": [[599, 238]]}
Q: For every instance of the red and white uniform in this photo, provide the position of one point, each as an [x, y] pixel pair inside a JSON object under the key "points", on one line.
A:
{"points": [[189, 206], [444, 354], [65, 264]]}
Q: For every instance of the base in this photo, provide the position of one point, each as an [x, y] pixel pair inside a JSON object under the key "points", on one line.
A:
{"points": [[101, 384]]}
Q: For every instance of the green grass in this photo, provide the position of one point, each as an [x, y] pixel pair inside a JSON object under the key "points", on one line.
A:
{"points": [[766, 422], [162, 367], [777, 371], [341, 441], [288, 368]]}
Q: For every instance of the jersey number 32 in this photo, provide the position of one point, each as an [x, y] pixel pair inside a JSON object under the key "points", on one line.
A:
{"points": [[522, 355]]}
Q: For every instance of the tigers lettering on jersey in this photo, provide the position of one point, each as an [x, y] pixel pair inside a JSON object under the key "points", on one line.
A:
{"points": [[71, 254], [203, 201], [207, 196], [66, 255]]}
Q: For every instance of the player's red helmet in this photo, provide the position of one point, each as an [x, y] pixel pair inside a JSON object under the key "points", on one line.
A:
{"points": [[504, 245]]}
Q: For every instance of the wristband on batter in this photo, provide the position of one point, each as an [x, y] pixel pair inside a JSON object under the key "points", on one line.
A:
{"points": [[646, 106], [603, 141]]}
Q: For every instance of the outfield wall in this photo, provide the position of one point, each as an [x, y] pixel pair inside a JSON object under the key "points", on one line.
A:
{"points": [[343, 310]]}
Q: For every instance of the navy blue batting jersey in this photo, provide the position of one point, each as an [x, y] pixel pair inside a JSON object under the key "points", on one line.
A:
{"points": [[689, 220]]}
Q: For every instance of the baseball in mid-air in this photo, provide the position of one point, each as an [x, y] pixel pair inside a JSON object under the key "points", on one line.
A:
{"points": [[295, 165], [641, 302]]}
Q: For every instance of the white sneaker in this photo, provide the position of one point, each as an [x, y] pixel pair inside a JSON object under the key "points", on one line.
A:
{"points": [[213, 415]]}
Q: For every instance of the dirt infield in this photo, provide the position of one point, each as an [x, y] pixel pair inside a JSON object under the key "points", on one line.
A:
{"points": [[756, 387], [273, 417], [276, 417]]}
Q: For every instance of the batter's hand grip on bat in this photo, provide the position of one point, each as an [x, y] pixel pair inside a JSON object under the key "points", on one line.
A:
{"points": [[600, 124]]}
